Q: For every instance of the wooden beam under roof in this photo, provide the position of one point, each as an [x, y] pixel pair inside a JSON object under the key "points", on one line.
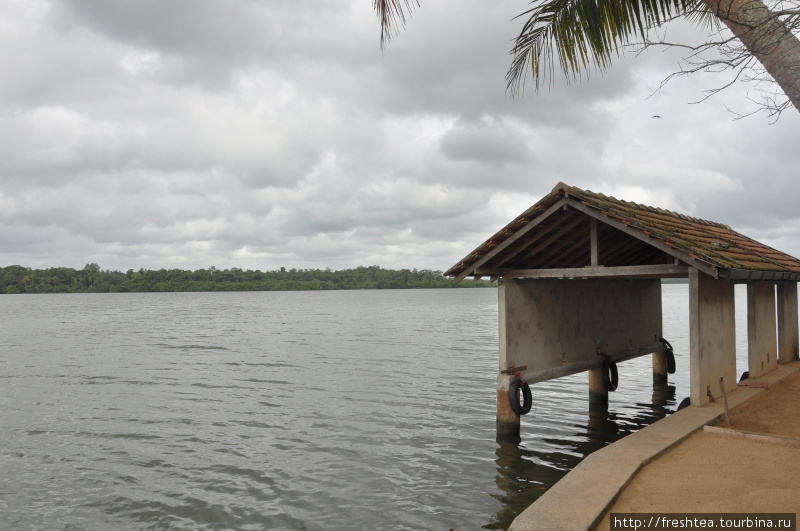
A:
{"points": [[554, 237], [516, 256], [639, 235], [560, 254], [469, 270], [619, 247], [576, 252], [637, 271]]}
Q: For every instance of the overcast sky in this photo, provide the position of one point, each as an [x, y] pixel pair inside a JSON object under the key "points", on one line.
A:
{"points": [[261, 134]]}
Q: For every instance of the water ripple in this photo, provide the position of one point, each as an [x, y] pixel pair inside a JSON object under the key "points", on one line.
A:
{"points": [[287, 411]]}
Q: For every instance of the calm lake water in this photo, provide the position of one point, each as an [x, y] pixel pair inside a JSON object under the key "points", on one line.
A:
{"points": [[357, 410]]}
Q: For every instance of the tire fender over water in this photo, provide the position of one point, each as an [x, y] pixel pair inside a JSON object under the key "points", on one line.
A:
{"points": [[670, 356], [513, 396], [610, 375]]}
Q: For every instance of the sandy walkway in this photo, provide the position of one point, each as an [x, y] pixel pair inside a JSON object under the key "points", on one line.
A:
{"points": [[716, 473]]}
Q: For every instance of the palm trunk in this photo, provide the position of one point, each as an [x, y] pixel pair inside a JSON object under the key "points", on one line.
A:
{"points": [[767, 38]]}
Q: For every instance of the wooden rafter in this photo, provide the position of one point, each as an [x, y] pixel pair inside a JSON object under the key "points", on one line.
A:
{"points": [[655, 242], [555, 236], [620, 245], [577, 255], [510, 240]]}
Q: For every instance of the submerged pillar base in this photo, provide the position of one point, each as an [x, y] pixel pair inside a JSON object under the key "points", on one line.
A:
{"points": [[507, 421], [659, 367], [598, 394]]}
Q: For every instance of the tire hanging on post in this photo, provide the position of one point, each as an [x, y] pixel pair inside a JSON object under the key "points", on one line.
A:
{"points": [[610, 375], [670, 356], [514, 388]]}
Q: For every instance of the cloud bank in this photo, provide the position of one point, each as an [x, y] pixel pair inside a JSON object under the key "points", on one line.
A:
{"points": [[260, 134]]}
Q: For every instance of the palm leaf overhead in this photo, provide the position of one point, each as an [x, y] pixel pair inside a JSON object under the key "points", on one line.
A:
{"points": [[391, 14], [585, 32]]}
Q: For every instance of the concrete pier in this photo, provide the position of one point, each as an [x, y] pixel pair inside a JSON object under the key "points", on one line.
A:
{"points": [[507, 421], [712, 337], [598, 394], [659, 367], [762, 342], [787, 322]]}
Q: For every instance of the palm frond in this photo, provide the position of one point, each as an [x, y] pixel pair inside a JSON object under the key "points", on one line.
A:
{"points": [[392, 15], [585, 33]]}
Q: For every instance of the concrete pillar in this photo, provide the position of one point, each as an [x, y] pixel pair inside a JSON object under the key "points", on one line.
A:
{"points": [[788, 342], [762, 342], [507, 420], [659, 367], [598, 395], [712, 337]]}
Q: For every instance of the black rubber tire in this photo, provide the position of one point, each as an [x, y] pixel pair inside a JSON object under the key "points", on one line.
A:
{"points": [[610, 375], [686, 402], [670, 362], [666, 343], [513, 397], [670, 356]]}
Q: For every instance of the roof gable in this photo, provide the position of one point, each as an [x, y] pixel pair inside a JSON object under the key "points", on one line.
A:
{"points": [[555, 234]]}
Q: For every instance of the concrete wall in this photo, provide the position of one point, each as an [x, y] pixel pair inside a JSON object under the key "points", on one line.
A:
{"points": [[712, 341], [762, 342], [788, 341], [560, 327]]}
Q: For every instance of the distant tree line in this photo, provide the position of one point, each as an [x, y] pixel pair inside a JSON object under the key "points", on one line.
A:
{"points": [[91, 279]]}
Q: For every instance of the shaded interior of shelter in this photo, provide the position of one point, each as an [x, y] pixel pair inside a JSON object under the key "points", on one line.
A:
{"points": [[563, 241]]}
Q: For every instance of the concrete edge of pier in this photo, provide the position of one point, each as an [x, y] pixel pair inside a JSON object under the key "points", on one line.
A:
{"points": [[580, 499]]}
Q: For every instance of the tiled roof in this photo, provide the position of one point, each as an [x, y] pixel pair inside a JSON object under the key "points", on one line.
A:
{"points": [[707, 245]]}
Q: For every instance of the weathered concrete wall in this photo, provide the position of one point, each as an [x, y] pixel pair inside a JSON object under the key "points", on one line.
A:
{"points": [[788, 341], [712, 341], [762, 341], [560, 327]]}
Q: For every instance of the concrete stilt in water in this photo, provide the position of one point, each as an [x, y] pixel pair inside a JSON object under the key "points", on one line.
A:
{"points": [[659, 367], [507, 420], [598, 394]]}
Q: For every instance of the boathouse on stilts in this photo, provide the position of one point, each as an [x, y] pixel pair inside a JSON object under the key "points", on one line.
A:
{"points": [[579, 289]]}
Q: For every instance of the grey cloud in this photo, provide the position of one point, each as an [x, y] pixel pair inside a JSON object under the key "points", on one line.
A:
{"points": [[276, 133], [487, 141]]}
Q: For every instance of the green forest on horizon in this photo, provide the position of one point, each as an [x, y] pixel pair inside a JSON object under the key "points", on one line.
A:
{"points": [[91, 279]]}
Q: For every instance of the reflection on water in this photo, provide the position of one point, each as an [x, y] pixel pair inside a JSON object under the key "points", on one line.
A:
{"points": [[524, 474]]}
